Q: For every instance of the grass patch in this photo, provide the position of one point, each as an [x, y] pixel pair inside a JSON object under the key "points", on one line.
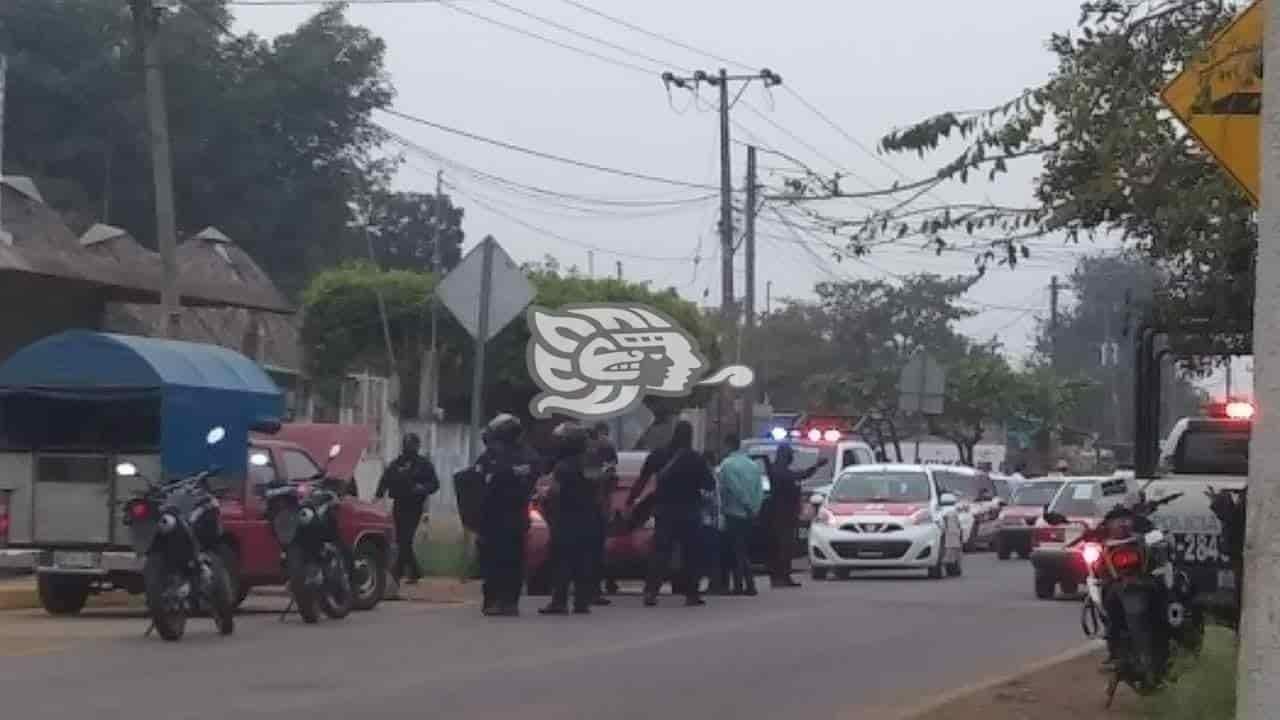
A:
{"points": [[446, 558], [1206, 686]]}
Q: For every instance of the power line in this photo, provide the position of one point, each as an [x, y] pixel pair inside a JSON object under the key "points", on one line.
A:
{"points": [[546, 155], [312, 3], [536, 36], [655, 35], [580, 34]]}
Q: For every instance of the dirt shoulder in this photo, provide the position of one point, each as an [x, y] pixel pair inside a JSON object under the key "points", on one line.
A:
{"points": [[1070, 691]]}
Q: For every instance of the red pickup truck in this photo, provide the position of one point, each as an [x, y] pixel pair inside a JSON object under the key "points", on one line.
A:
{"points": [[367, 528]]}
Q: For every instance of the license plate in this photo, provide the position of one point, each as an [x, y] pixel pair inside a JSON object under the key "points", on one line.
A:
{"points": [[803, 533], [1226, 580], [80, 560], [870, 554]]}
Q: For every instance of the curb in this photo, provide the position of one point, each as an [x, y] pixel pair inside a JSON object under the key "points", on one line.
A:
{"points": [[946, 698]]}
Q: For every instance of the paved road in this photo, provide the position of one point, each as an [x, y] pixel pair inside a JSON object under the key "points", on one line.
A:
{"points": [[831, 649]]}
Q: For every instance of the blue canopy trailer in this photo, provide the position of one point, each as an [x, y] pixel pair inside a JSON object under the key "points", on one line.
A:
{"points": [[72, 406]]}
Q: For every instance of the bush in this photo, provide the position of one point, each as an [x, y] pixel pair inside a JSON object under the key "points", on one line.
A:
{"points": [[1205, 687]]}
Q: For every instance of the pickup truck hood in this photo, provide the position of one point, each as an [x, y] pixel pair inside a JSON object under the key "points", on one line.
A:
{"points": [[317, 438]]}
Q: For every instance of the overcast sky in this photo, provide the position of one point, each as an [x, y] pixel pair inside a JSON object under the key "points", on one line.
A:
{"points": [[869, 66]]}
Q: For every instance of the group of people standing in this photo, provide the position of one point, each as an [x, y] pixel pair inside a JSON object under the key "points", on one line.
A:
{"points": [[708, 513]]}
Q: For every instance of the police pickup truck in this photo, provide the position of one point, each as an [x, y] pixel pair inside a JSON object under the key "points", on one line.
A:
{"points": [[1202, 453]]}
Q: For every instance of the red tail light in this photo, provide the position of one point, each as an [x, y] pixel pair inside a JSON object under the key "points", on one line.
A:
{"points": [[139, 511], [1046, 534], [4, 519], [1126, 559]]}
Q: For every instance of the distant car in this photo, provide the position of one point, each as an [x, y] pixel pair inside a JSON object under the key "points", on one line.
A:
{"points": [[887, 517], [1081, 501], [978, 503], [1016, 520]]}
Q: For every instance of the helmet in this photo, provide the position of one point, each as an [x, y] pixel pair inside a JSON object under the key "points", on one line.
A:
{"points": [[571, 438], [504, 428]]}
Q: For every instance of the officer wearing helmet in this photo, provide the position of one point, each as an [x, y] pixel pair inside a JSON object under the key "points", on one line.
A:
{"points": [[574, 507], [509, 475]]}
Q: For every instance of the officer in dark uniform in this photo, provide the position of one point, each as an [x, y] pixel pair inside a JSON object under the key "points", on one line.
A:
{"points": [[575, 531], [410, 480], [509, 473]]}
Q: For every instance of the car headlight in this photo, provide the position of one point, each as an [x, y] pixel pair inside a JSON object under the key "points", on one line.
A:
{"points": [[922, 517], [306, 515]]}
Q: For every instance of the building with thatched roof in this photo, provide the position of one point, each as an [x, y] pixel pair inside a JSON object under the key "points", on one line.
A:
{"points": [[60, 281]]}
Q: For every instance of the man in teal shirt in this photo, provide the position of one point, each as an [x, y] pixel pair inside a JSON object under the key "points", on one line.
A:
{"points": [[741, 495]]}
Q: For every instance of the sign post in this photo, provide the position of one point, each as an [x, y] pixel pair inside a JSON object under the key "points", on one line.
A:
{"points": [[5, 238]]}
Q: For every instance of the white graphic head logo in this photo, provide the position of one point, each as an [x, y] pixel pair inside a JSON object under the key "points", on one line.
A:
{"points": [[600, 360]]}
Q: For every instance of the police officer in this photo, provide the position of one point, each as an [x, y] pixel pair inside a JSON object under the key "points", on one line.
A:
{"points": [[575, 532], [410, 480], [602, 469], [509, 473]]}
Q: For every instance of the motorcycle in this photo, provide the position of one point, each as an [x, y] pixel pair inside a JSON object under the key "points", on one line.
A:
{"points": [[304, 520], [177, 526], [1136, 597]]}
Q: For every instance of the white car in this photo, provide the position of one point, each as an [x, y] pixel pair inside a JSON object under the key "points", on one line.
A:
{"points": [[886, 517], [977, 502]]}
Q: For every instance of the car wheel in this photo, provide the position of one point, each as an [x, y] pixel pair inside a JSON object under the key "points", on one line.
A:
{"points": [[1070, 589], [843, 573], [1045, 587], [231, 561], [1002, 551], [62, 594], [368, 576], [818, 573], [937, 570]]}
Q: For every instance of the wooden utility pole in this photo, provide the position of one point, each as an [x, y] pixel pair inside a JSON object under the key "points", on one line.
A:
{"points": [[1257, 692], [619, 270], [437, 268], [5, 238], [146, 19], [747, 423]]}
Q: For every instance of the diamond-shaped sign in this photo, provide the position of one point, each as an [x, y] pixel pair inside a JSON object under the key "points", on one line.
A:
{"points": [[510, 290]]}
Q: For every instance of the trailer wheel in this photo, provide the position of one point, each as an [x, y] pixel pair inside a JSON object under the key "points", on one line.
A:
{"points": [[62, 594]]}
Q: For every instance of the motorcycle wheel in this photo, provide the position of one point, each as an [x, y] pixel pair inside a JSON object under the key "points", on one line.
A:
{"points": [[303, 596], [169, 618], [221, 595], [336, 600], [1148, 672]]}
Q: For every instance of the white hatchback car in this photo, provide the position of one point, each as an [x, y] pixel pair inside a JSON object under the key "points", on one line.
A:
{"points": [[886, 517]]}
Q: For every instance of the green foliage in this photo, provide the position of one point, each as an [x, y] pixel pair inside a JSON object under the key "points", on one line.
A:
{"points": [[981, 390], [270, 140], [1205, 688], [1114, 161], [406, 226]]}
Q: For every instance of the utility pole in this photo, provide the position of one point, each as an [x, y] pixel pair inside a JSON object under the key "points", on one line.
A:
{"points": [[591, 263], [1257, 692], [721, 82], [619, 271], [437, 267], [146, 20], [747, 423], [1053, 320], [1230, 361], [5, 238]]}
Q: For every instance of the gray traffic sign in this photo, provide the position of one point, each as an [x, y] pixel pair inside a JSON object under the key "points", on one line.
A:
{"points": [[922, 385], [510, 291]]}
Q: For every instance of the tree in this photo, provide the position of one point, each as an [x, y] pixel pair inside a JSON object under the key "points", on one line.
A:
{"points": [[407, 227], [1114, 162], [270, 141]]}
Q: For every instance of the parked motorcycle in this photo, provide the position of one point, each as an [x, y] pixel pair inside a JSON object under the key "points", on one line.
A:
{"points": [[304, 520], [177, 526], [1135, 596]]}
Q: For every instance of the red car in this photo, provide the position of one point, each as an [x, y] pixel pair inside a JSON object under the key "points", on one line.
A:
{"points": [[1017, 520], [626, 551], [366, 528]]}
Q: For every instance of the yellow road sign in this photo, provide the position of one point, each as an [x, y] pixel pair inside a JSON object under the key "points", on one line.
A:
{"points": [[1218, 96]]}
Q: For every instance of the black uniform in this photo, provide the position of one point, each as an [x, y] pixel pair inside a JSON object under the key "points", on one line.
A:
{"points": [[575, 534], [510, 474], [410, 479], [603, 471]]}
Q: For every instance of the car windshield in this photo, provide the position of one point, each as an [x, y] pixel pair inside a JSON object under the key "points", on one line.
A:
{"points": [[1036, 495], [966, 485], [1077, 499], [806, 456], [882, 487], [1213, 449]]}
